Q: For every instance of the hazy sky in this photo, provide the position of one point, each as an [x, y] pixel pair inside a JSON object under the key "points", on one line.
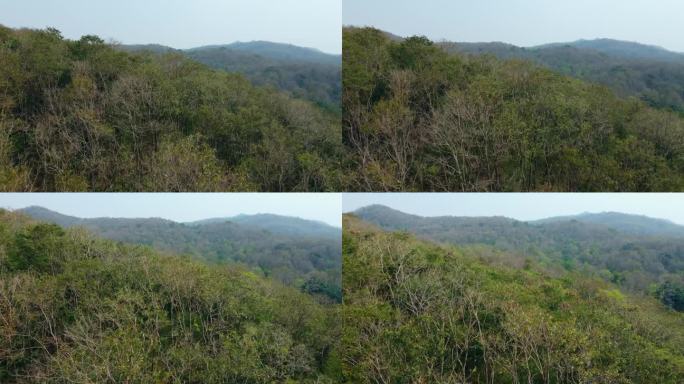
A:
{"points": [[523, 206], [183, 207], [185, 23], [525, 22]]}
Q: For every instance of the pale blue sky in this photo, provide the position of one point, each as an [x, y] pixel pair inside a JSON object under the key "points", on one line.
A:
{"points": [[183, 207], [525, 22], [185, 23], [523, 206]]}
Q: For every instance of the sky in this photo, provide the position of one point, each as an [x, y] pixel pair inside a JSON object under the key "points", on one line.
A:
{"points": [[185, 23], [523, 206], [525, 22], [183, 207]]}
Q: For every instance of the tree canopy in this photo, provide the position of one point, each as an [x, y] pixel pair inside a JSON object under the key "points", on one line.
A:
{"points": [[83, 116], [418, 312], [603, 248], [76, 308], [418, 118]]}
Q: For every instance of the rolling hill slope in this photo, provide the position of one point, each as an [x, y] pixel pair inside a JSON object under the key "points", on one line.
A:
{"points": [[84, 116], [650, 73], [305, 73], [637, 253], [416, 311], [419, 116], [77, 308], [309, 260]]}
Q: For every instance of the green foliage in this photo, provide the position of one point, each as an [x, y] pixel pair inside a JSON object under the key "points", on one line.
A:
{"points": [[416, 312], [316, 78], [74, 308], [632, 252], [418, 118], [82, 115], [35, 249], [305, 254], [654, 75], [671, 294]]}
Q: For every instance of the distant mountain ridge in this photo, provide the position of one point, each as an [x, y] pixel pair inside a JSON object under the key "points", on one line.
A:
{"points": [[626, 223], [279, 51], [284, 225], [650, 73], [295, 251], [631, 69], [631, 224], [283, 51], [306, 73], [276, 224], [633, 251], [621, 48]]}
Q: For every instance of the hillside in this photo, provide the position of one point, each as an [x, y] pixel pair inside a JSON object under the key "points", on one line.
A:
{"points": [[83, 116], [417, 312], [628, 224], [417, 118], [650, 73], [639, 254], [278, 51], [280, 225], [626, 49], [302, 72], [310, 261], [76, 308]]}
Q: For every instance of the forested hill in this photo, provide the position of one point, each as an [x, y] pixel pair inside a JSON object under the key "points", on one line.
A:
{"points": [[75, 308], [282, 225], [639, 254], [416, 117], [84, 116], [310, 260], [650, 73], [278, 51], [629, 224], [419, 312], [302, 72]]}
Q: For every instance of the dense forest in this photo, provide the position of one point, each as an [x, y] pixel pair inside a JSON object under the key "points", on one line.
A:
{"points": [[638, 254], [302, 72], [295, 252], [650, 73], [416, 117], [84, 116], [418, 312], [76, 308]]}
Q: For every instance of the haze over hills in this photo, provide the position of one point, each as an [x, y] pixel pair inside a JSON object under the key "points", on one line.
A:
{"points": [[304, 72], [651, 73], [621, 48], [295, 251], [625, 223], [632, 251], [283, 225], [621, 222], [278, 51], [648, 72]]}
